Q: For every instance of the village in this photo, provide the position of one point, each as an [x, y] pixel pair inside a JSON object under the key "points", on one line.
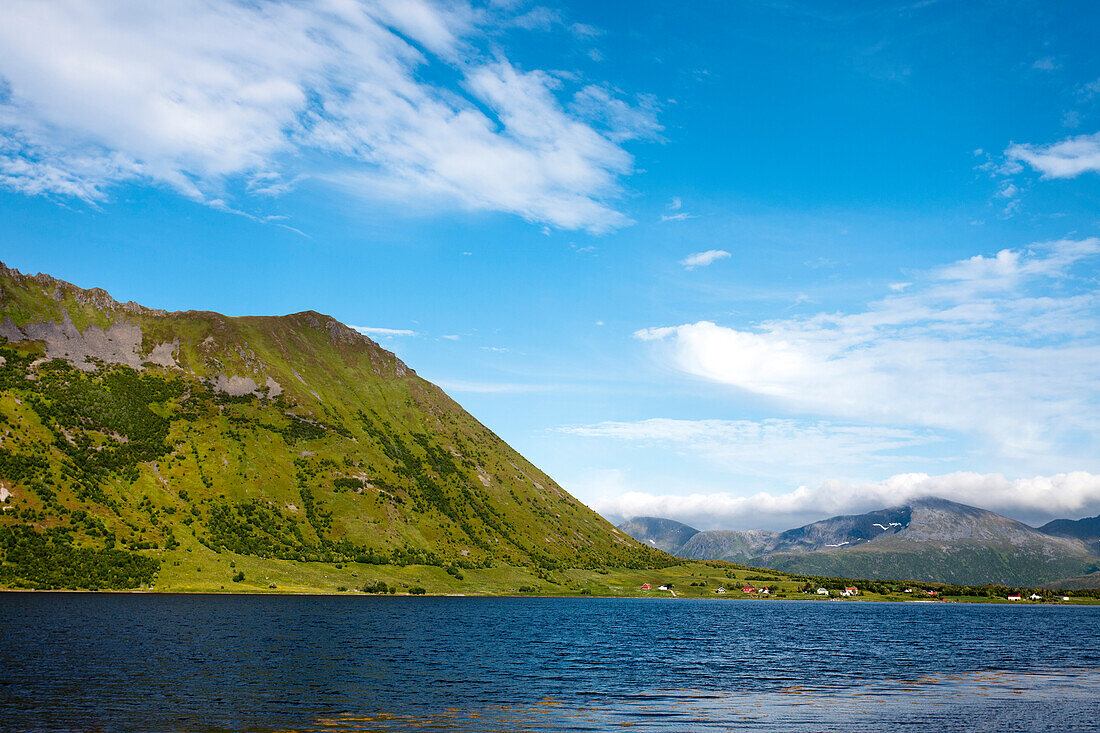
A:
{"points": [[927, 594]]}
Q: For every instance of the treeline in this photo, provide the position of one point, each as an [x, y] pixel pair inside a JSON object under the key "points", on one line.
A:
{"points": [[49, 561]]}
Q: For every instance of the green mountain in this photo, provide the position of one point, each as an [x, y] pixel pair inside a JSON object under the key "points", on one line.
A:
{"points": [[141, 447], [931, 540]]}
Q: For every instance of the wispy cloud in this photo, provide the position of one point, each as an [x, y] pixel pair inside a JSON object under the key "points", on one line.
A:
{"points": [[1036, 499], [767, 447], [1003, 347], [704, 259], [212, 98], [675, 206], [1066, 159], [374, 331], [450, 385]]}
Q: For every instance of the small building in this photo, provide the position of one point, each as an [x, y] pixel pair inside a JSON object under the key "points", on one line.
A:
{"points": [[747, 589], [822, 591], [1014, 596], [1065, 598], [931, 593], [720, 590], [646, 586], [662, 587], [1035, 597], [763, 591], [849, 591], [908, 590]]}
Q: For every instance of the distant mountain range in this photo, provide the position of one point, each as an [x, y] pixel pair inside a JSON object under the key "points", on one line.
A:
{"points": [[929, 540]]}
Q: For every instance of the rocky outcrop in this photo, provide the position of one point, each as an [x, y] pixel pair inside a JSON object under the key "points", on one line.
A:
{"points": [[120, 343]]}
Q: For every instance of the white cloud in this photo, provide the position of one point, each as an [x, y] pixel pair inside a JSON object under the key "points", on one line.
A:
{"points": [[1004, 348], [373, 331], [1066, 159], [449, 385], [1046, 64], [211, 97], [620, 120], [703, 259], [1037, 499], [767, 447], [675, 204]]}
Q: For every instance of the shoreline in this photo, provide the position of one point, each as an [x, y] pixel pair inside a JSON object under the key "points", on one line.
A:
{"points": [[962, 600]]}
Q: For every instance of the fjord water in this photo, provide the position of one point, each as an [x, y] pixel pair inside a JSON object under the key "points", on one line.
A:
{"points": [[138, 662]]}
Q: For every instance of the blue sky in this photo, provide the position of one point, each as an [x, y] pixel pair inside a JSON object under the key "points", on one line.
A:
{"points": [[743, 264]]}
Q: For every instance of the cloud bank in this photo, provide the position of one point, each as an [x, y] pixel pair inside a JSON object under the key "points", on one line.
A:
{"points": [[1035, 500], [224, 100]]}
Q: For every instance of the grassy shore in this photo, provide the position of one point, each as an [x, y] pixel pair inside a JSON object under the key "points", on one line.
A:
{"points": [[195, 568]]}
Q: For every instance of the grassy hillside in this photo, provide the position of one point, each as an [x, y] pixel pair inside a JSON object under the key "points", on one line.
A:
{"points": [[139, 447], [962, 562]]}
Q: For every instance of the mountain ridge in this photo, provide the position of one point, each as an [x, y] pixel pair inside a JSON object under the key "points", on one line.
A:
{"points": [[929, 539]]}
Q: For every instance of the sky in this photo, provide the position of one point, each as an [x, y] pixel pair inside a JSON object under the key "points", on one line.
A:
{"points": [[742, 264]]}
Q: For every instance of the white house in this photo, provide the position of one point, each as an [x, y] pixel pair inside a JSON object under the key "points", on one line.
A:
{"points": [[1035, 597], [763, 591], [720, 590], [1014, 597], [822, 592]]}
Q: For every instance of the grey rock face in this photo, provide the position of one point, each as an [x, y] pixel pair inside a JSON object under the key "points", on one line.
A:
{"points": [[120, 343]]}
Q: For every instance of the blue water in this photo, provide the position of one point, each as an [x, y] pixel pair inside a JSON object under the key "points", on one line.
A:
{"points": [[268, 663]]}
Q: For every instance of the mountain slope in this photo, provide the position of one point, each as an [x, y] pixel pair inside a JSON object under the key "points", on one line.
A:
{"points": [[664, 534], [739, 546], [126, 429], [1087, 530]]}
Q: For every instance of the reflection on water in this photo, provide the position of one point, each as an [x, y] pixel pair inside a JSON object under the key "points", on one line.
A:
{"points": [[984, 701], [272, 663]]}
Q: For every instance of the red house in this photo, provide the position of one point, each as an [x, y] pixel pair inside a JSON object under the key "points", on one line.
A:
{"points": [[748, 589], [646, 586]]}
